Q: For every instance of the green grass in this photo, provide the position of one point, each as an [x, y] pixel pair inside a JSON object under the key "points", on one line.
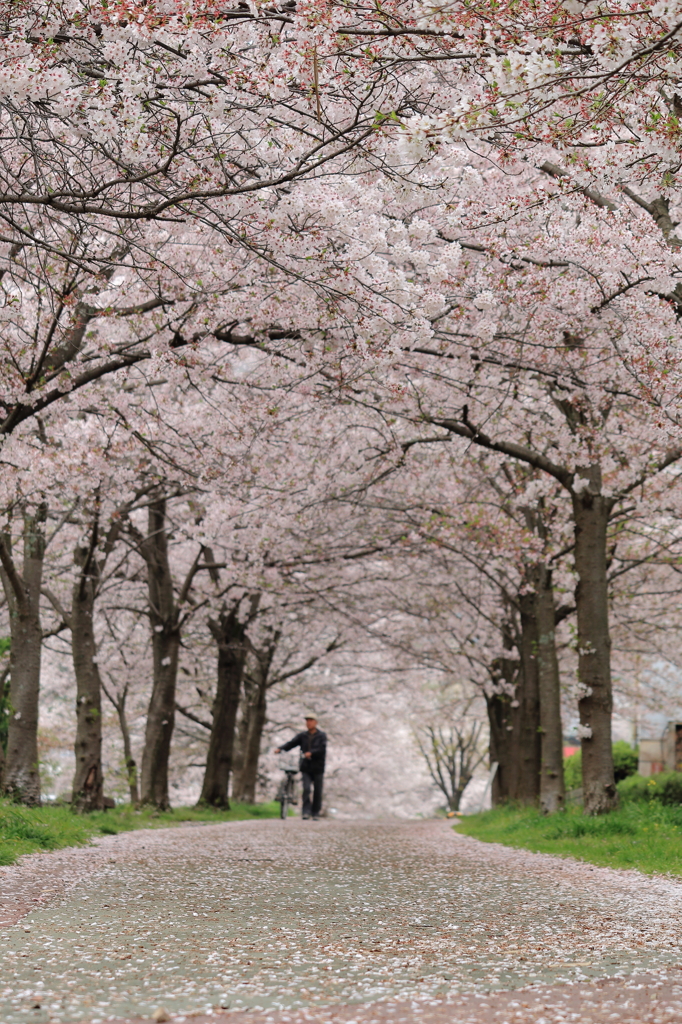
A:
{"points": [[640, 834], [31, 829]]}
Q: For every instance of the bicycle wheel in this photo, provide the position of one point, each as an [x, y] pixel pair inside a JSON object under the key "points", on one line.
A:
{"points": [[287, 796]]}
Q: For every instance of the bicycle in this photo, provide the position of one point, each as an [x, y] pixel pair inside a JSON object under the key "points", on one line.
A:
{"points": [[286, 794]]}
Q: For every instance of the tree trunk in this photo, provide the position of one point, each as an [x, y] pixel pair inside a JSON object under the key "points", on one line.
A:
{"points": [[591, 512], [242, 735], [88, 783], [527, 752], [257, 681], [164, 620], [4, 695], [230, 636], [503, 722], [119, 703], [22, 775], [552, 793], [455, 798], [131, 766], [251, 755]]}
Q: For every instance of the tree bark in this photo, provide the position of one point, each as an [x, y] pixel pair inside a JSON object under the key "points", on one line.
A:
{"points": [[230, 636], [503, 721], [118, 700], [4, 687], [164, 620], [527, 740], [514, 713], [257, 682], [22, 775], [252, 754], [242, 735], [254, 717], [88, 782], [552, 793], [229, 633], [131, 766], [591, 512]]}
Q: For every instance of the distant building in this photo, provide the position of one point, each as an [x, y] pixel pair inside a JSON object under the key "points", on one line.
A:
{"points": [[663, 754]]}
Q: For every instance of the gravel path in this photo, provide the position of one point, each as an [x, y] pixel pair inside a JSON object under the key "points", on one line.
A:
{"points": [[301, 921]]}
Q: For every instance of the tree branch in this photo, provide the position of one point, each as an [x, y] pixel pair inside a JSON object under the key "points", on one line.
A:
{"points": [[57, 605], [192, 717], [10, 573], [464, 428], [336, 643]]}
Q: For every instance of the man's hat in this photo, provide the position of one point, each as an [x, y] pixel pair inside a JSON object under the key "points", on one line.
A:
{"points": [[310, 714]]}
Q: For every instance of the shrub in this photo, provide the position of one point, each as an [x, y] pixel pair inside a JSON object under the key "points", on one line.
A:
{"points": [[625, 763], [634, 788], [625, 760], [665, 787]]}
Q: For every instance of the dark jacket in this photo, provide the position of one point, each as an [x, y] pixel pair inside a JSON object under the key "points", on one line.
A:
{"points": [[316, 744]]}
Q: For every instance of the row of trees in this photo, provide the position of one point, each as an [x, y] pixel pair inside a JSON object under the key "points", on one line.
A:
{"points": [[300, 301]]}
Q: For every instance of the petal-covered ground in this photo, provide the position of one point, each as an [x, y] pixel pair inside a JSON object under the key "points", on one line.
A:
{"points": [[333, 921]]}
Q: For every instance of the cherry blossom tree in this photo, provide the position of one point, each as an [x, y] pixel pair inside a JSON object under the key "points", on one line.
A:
{"points": [[467, 231], [22, 584], [595, 361]]}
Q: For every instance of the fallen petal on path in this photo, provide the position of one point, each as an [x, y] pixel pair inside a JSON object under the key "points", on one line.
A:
{"points": [[386, 922]]}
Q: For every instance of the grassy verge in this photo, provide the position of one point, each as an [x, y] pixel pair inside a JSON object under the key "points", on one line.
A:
{"points": [[642, 835], [31, 829]]}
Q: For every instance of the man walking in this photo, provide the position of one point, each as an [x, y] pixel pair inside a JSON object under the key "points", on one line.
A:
{"points": [[313, 744]]}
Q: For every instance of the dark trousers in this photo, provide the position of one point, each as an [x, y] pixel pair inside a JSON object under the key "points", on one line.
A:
{"points": [[316, 782]]}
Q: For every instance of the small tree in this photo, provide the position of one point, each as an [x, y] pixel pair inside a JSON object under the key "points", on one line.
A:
{"points": [[452, 753]]}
